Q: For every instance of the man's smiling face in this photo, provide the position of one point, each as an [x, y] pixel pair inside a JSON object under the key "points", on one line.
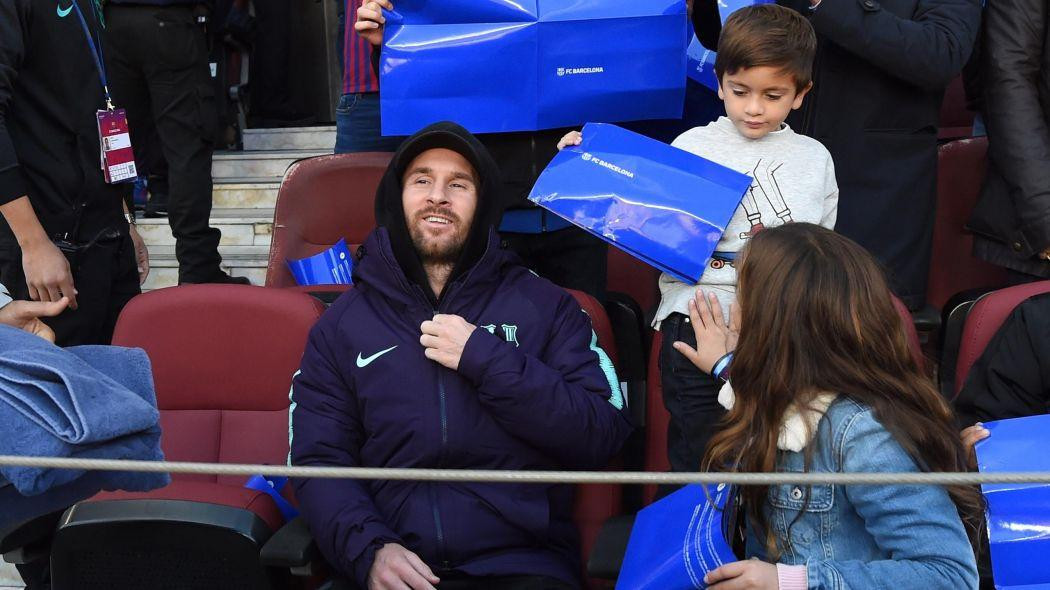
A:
{"points": [[439, 196]]}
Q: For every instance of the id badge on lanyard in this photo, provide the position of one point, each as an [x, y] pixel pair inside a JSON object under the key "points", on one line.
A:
{"points": [[117, 159]]}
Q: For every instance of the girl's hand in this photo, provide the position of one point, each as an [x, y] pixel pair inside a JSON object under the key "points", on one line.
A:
{"points": [[571, 138], [713, 337], [970, 437], [751, 574]]}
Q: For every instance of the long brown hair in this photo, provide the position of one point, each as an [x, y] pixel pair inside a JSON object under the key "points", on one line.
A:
{"points": [[817, 316]]}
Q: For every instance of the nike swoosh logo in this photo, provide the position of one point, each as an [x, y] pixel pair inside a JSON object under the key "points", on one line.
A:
{"points": [[63, 13], [364, 362]]}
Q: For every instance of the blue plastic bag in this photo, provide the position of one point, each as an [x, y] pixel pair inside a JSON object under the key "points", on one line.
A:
{"points": [[1018, 514], [701, 60], [678, 539], [658, 203], [334, 266], [525, 65]]}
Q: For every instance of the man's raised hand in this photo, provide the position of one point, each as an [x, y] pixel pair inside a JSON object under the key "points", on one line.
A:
{"points": [[444, 337], [370, 20], [397, 568]]}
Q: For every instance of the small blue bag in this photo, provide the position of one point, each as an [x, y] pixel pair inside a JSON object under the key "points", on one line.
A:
{"points": [[680, 538], [701, 60], [1018, 514], [658, 203], [334, 266], [526, 65]]}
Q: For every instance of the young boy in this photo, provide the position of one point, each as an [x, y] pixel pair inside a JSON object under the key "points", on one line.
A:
{"points": [[764, 67]]}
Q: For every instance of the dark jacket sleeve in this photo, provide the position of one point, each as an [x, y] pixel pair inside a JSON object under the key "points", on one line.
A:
{"points": [[927, 50], [324, 430], [707, 22], [13, 18], [1018, 132], [568, 403], [1012, 377]]}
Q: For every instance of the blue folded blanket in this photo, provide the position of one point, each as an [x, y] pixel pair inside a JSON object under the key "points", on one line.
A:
{"points": [[83, 402]]}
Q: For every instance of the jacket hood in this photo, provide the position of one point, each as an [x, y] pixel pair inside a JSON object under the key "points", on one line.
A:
{"points": [[390, 212]]}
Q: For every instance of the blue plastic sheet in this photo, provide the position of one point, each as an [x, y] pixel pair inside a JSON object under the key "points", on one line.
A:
{"points": [[658, 203], [525, 65], [701, 60], [677, 540], [1018, 514], [334, 266]]}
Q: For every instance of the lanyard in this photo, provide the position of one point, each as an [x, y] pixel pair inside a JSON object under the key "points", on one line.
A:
{"points": [[96, 52]]}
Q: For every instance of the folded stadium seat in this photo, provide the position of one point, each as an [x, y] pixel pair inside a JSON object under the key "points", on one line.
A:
{"points": [[223, 358], [984, 319], [634, 278], [956, 119], [953, 268], [322, 200]]}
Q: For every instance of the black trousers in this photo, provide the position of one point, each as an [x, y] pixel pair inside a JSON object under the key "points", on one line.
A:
{"points": [[690, 395], [570, 258], [271, 97], [157, 60], [483, 583], [105, 276]]}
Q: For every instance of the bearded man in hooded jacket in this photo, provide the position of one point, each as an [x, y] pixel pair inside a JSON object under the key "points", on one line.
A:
{"points": [[448, 353]]}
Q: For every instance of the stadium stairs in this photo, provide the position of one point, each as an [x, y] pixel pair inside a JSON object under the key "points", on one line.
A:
{"points": [[244, 193]]}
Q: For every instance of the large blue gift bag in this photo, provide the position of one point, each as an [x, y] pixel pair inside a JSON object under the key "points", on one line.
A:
{"points": [[700, 60], [524, 65], [1018, 514], [658, 203], [676, 541], [334, 266]]}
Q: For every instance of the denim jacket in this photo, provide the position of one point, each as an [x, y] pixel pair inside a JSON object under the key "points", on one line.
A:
{"points": [[866, 536]]}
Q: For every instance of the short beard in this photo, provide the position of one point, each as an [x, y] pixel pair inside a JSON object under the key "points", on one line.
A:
{"points": [[431, 253]]}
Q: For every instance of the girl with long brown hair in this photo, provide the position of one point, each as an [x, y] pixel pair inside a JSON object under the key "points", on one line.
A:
{"points": [[823, 379]]}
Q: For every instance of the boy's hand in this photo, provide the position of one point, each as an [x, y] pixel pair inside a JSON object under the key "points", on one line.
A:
{"points": [[713, 336], [25, 315], [370, 20], [970, 437], [571, 138]]}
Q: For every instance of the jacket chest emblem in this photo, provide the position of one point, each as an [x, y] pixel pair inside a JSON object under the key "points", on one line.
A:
{"points": [[510, 332]]}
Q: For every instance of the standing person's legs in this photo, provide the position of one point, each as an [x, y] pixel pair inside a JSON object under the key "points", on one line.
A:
{"points": [[184, 112], [690, 395], [570, 258], [358, 127], [271, 100]]}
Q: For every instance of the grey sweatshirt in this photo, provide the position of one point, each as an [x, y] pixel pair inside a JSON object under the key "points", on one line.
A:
{"points": [[793, 180]]}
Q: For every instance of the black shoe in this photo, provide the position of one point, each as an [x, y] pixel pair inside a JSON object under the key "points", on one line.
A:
{"points": [[156, 206], [220, 279]]}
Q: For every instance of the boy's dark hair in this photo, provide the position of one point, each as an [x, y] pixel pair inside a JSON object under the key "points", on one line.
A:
{"points": [[767, 35]]}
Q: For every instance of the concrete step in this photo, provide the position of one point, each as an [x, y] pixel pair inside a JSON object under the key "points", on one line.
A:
{"points": [[230, 165], [292, 138], [9, 577], [239, 227], [242, 261], [245, 193]]}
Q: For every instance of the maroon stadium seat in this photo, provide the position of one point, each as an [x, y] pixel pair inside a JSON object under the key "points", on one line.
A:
{"points": [[953, 268], [984, 320], [956, 119], [321, 201], [634, 278], [223, 357], [596, 503]]}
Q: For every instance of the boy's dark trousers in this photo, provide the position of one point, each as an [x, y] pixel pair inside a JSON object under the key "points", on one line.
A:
{"points": [[690, 395], [157, 61]]}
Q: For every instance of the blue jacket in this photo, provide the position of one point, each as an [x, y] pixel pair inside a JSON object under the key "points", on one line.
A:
{"points": [[866, 536], [533, 391]]}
